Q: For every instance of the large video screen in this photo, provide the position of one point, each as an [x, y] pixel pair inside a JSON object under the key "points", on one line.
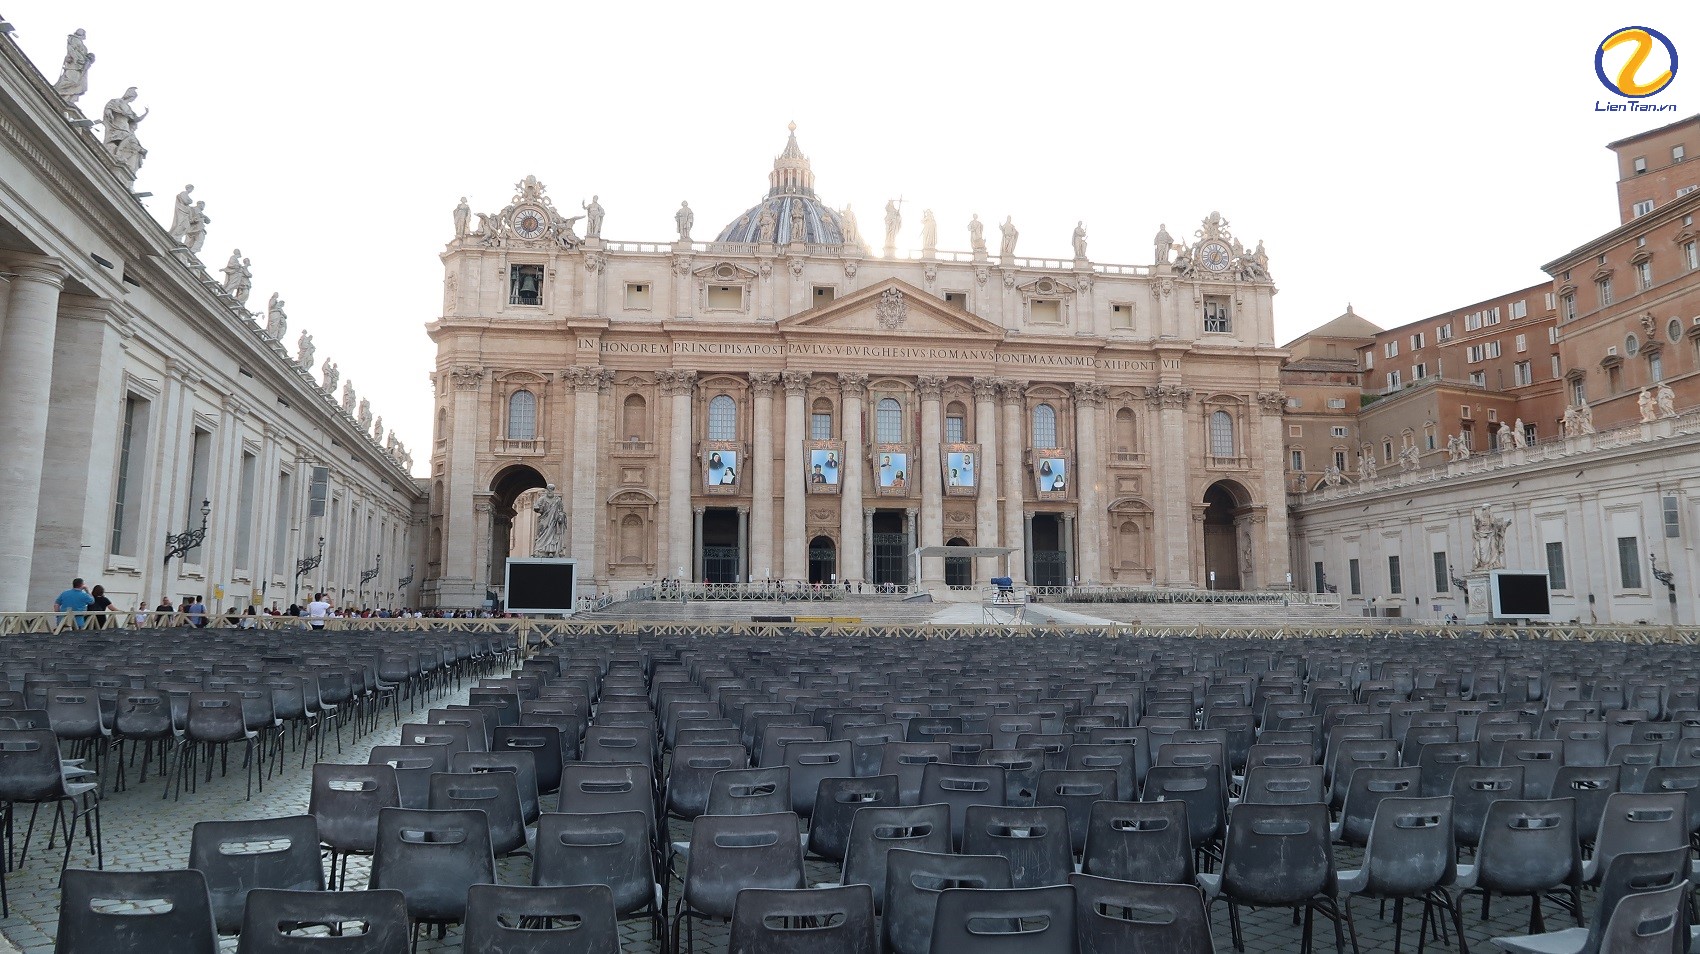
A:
{"points": [[1521, 595], [541, 586]]}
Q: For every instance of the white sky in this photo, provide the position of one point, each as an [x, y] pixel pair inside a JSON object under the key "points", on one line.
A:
{"points": [[1408, 160]]}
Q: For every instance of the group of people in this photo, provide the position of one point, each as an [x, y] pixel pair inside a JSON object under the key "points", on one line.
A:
{"points": [[90, 608]]}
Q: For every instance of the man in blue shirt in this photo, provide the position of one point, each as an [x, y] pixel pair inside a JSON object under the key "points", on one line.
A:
{"points": [[74, 599], [197, 613]]}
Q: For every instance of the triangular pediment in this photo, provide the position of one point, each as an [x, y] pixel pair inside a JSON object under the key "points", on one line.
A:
{"points": [[891, 307]]}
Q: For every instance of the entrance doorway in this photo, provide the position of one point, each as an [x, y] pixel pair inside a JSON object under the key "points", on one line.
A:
{"points": [[1050, 563], [823, 561], [890, 560], [720, 556], [958, 571], [1221, 539]]}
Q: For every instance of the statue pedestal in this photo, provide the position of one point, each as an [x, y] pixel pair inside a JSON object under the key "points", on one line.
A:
{"points": [[1478, 605]]}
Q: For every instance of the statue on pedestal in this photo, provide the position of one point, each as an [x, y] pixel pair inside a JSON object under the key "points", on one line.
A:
{"points": [[364, 416], [929, 231], [551, 523], [1585, 415], [1007, 251], [120, 121], [1490, 539], [1410, 458], [463, 218], [276, 320], [1456, 449], [181, 212], [1366, 467], [304, 349], [683, 220], [1666, 400], [977, 235], [799, 225], [1332, 477], [330, 373], [1164, 244], [1572, 422], [348, 397], [1504, 435], [196, 235], [893, 221], [1080, 241], [1649, 405], [592, 217], [73, 79], [378, 429], [852, 235], [1519, 438], [238, 277]]}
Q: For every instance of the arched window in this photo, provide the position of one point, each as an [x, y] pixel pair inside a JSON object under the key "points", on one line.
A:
{"points": [[634, 418], [820, 420], [1127, 432], [1221, 434], [631, 538], [1130, 545], [442, 423], [722, 419], [888, 421], [522, 416], [1044, 426], [955, 423]]}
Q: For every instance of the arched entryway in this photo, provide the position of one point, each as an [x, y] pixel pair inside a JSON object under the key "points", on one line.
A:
{"points": [[506, 489], [823, 560], [958, 571], [1227, 544]]}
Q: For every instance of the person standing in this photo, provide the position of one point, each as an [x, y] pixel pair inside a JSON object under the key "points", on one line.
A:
{"points": [[162, 612], [317, 611], [74, 600], [101, 606], [197, 613]]}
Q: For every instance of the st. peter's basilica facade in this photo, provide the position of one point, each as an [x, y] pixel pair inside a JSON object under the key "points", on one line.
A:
{"points": [[780, 403]]}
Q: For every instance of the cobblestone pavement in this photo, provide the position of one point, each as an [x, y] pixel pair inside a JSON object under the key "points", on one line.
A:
{"points": [[142, 831]]}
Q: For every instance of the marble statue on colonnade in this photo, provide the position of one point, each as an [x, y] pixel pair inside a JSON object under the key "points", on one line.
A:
{"points": [[1080, 241], [73, 79], [276, 321], [238, 277], [1490, 539], [304, 349], [683, 220], [120, 121], [1010, 234]]}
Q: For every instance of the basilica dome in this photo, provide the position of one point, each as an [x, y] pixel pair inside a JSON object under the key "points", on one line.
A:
{"points": [[790, 199]]}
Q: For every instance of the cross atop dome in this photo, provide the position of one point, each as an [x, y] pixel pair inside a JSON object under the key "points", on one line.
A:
{"points": [[791, 173]]}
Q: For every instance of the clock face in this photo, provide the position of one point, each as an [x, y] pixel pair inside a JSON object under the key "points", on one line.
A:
{"points": [[530, 222], [1216, 257]]}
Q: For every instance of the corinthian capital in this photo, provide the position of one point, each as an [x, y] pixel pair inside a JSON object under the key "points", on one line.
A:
{"points": [[853, 385], [796, 382], [1088, 395], [930, 385], [466, 378], [674, 382], [762, 382], [1012, 391], [985, 388]]}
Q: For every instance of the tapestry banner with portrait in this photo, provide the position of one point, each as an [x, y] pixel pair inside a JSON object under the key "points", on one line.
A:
{"points": [[722, 467], [1051, 475], [961, 470], [893, 476], [825, 463]]}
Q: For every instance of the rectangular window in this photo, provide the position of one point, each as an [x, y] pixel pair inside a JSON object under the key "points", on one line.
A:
{"points": [[1522, 342], [282, 560], [1579, 393], [1369, 358], [1555, 566], [638, 296], [1418, 340], [1473, 321], [1478, 378], [1444, 332], [132, 454], [1642, 208], [1121, 315], [200, 475], [1678, 153], [1442, 579], [1392, 380], [1340, 460], [956, 299], [245, 512], [1644, 275], [1673, 525], [1552, 334], [1493, 348], [1395, 585], [1522, 374], [1295, 402], [1355, 578], [954, 429], [1475, 353], [1391, 349], [1551, 303], [824, 294], [1604, 288], [1337, 403], [1685, 190], [1557, 372], [1337, 432], [820, 427], [725, 297], [1640, 164], [1691, 255], [1656, 368], [1568, 312], [1046, 312], [1419, 371], [1520, 309], [1298, 460], [1218, 317], [1629, 562], [1320, 576]]}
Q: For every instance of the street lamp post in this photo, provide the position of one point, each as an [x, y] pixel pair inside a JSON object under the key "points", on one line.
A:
{"points": [[179, 544], [367, 576], [306, 565], [1669, 580]]}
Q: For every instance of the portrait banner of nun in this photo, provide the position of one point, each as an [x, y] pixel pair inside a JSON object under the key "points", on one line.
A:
{"points": [[1053, 475], [720, 468]]}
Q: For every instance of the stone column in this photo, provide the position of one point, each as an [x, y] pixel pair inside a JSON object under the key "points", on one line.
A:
{"points": [[1065, 530], [868, 543], [678, 385], [697, 568], [909, 548], [481, 511], [852, 565], [587, 511], [1088, 482], [1026, 551], [932, 480], [1175, 542], [456, 588], [795, 477], [1272, 552], [986, 494], [743, 570], [26, 382], [1015, 527], [760, 554]]}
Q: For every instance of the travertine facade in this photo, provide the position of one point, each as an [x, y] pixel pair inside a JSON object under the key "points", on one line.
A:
{"points": [[782, 404]]}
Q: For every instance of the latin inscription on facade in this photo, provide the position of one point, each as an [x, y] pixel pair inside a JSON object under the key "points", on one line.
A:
{"points": [[818, 350]]}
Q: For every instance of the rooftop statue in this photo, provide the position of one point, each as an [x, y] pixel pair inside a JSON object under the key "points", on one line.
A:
{"points": [[73, 79], [276, 320], [238, 277], [893, 221], [592, 218], [304, 349], [121, 121], [181, 212], [1080, 241], [463, 218], [1164, 243], [683, 220], [976, 235], [929, 230], [196, 235], [1010, 234]]}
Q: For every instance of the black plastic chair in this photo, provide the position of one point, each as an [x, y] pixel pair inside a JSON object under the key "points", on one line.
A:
{"points": [[804, 921], [961, 786], [433, 858], [999, 920], [811, 761], [414, 765], [610, 848], [1474, 788], [345, 802], [1202, 789], [1139, 841], [836, 802], [907, 761], [526, 919], [1035, 840], [215, 720], [1021, 768], [913, 880], [273, 921], [1528, 848], [588, 787], [1637, 821], [1277, 856], [730, 853], [753, 791], [1114, 916], [184, 927], [1410, 854], [691, 773], [1628, 873], [546, 748], [238, 856], [1366, 790], [142, 717], [32, 774], [518, 762], [496, 794], [876, 831], [1284, 785], [1647, 922]]}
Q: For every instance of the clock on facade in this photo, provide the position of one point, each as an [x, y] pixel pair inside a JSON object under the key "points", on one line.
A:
{"points": [[1215, 256], [529, 222]]}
